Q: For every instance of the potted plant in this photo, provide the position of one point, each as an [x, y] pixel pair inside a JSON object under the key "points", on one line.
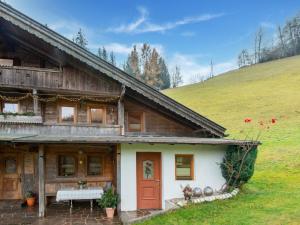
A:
{"points": [[109, 202], [82, 184], [30, 198]]}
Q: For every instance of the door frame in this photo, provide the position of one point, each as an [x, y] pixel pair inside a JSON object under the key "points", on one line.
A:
{"points": [[20, 171], [160, 183]]}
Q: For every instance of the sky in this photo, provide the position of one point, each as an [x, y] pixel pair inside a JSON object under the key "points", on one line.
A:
{"points": [[189, 34]]}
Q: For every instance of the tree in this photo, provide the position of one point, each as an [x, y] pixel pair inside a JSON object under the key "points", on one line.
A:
{"points": [[197, 78], [176, 77], [154, 77], [282, 42], [148, 66], [145, 61], [132, 65], [258, 45], [112, 58], [80, 39], [164, 74], [244, 58]]}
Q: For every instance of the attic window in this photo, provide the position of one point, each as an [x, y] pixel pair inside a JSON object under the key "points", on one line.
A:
{"points": [[135, 121], [6, 62]]}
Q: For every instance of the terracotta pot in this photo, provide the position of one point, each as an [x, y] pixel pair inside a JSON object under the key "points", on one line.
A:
{"points": [[110, 212], [30, 201]]}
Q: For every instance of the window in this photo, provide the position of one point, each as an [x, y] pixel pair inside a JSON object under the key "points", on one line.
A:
{"points": [[66, 166], [10, 166], [67, 114], [94, 165], [148, 170], [135, 121], [10, 107], [184, 167], [96, 115], [6, 62]]}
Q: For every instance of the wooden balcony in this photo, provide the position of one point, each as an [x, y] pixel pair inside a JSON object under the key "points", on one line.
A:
{"points": [[29, 77], [23, 129], [66, 80]]}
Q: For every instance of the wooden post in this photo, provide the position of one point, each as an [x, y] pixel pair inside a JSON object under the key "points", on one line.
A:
{"points": [[41, 181], [35, 101], [118, 174], [121, 111]]}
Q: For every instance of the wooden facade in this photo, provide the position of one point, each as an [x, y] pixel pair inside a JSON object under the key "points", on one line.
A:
{"points": [[51, 89]]}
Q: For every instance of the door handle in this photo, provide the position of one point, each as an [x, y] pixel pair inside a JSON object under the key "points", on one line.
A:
{"points": [[20, 178]]}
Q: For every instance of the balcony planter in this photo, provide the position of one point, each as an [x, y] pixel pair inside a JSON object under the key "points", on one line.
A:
{"points": [[16, 119]]}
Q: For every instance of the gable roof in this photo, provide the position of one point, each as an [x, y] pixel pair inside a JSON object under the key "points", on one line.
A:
{"points": [[51, 37]]}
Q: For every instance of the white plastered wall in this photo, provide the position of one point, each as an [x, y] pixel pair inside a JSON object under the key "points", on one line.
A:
{"points": [[207, 170]]}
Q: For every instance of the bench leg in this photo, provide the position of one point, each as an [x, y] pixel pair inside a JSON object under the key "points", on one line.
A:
{"points": [[71, 204], [91, 202]]}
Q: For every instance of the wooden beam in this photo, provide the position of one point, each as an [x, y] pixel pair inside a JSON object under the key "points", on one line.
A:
{"points": [[121, 111], [41, 169], [35, 102], [118, 174]]}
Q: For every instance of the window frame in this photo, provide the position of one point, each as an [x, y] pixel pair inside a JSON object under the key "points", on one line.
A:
{"points": [[191, 157], [142, 119], [89, 116], [60, 105], [87, 165], [4, 102], [75, 165]]}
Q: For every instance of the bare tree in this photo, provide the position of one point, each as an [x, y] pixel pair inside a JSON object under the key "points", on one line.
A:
{"points": [[244, 58], [281, 42], [258, 45], [197, 78], [176, 77]]}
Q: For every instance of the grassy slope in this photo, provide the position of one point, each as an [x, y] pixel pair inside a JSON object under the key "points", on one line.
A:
{"points": [[260, 92]]}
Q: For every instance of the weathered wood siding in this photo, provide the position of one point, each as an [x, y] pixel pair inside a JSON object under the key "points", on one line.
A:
{"points": [[155, 122], [29, 166], [54, 182]]}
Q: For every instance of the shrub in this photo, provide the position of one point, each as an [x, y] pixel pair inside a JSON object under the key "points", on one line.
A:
{"points": [[238, 165]]}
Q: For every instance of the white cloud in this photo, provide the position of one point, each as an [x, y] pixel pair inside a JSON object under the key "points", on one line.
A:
{"points": [[143, 25], [190, 66], [268, 25], [125, 49], [131, 27]]}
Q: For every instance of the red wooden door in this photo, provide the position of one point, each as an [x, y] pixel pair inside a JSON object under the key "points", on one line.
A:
{"points": [[148, 180]]}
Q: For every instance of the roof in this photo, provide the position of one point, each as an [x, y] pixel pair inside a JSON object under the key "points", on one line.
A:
{"points": [[122, 139], [51, 37]]}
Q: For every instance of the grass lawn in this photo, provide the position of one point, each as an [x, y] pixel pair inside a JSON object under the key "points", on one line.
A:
{"points": [[259, 92]]}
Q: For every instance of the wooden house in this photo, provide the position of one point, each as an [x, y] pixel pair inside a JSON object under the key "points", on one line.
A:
{"points": [[66, 115]]}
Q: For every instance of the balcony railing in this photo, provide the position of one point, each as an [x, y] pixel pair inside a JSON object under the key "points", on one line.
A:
{"points": [[19, 129], [30, 77]]}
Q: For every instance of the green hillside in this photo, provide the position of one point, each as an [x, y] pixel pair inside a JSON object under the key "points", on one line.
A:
{"points": [[261, 92]]}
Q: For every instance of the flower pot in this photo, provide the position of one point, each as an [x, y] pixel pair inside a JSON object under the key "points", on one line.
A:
{"points": [[30, 201], [110, 212]]}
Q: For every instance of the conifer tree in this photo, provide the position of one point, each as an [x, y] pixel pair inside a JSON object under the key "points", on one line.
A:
{"points": [[80, 39]]}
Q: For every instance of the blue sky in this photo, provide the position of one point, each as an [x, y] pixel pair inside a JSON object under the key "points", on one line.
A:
{"points": [[187, 33]]}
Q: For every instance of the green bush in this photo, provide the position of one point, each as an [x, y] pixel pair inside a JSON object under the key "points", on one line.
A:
{"points": [[109, 199], [238, 165]]}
